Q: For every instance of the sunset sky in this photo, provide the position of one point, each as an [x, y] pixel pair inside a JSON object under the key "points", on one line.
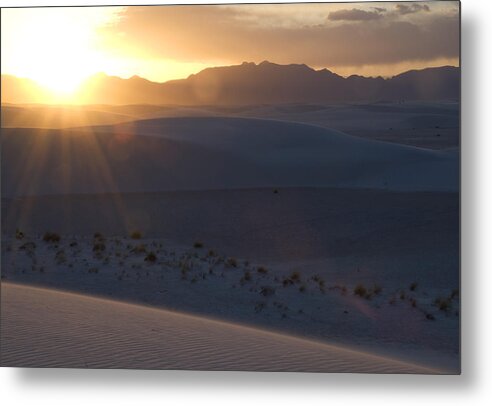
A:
{"points": [[60, 47]]}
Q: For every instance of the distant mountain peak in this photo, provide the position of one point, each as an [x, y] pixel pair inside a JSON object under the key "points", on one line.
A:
{"points": [[251, 83]]}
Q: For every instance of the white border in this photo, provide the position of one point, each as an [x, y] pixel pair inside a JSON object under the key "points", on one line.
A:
{"points": [[94, 387]]}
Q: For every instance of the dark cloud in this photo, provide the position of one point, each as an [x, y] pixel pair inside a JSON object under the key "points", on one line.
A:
{"points": [[355, 15], [211, 34], [412, 8]]}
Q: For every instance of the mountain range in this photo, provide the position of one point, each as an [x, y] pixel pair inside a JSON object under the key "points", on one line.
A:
{"points": [[250, 83]]}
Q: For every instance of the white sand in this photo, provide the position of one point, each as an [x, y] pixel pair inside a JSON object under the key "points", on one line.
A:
{"points": [[47, 328], [205, 153]]}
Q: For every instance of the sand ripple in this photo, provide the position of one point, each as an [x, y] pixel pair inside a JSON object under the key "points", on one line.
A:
{"points": [[47, 328]]}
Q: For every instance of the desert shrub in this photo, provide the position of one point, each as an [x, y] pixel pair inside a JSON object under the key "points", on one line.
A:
{"points": [[413, 302], [139, 249], [212, 253], [402, 295], [302, 288], [198, 244], [360, 290], [295, 277], [51, 237], [443, 304], [28, 246], [319, 280], [262, 270], [232, 262], [98, 236], [93, 270], [136, 235], [429, 316], [247, 276], [287, 282], [455, 294], [377, 289], [99, 247], [19, 234], [151, 257], [414, 286], [267, 291]]}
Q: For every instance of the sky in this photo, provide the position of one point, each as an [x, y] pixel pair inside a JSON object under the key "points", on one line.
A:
{"points": [[60, 47]]}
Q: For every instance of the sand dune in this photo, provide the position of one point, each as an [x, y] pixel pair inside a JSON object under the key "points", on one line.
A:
{"points": [[212, 153], [423, 124], [47, 328]]}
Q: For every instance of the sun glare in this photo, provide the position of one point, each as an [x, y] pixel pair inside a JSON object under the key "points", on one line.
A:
{"points": [[56, 47]]}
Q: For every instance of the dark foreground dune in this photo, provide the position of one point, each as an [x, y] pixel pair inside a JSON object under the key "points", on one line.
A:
{"points": [[47, 328]]}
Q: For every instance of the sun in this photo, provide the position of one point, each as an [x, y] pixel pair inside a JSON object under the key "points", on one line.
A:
{"points": [[56, 47]]}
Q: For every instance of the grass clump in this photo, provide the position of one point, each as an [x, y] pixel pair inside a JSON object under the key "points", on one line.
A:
{"points": [[19, 235], [360, 290], [198, 244], [320, 281], [267, 291], [246, 278], [151, 257], [51, 237], [262, 270], [287, 282], [136, 235], [443, 304], [231, 262], [28, 246], [139, 249], [295, 277], [98, 247], [413, 286]]}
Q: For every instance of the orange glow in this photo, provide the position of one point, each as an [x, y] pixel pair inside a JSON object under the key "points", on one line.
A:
{"points": [[59, 48]]}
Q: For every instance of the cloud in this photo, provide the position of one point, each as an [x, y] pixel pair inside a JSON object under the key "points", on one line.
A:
{"points": [[222, 35], [412, 8], [355, 15]]}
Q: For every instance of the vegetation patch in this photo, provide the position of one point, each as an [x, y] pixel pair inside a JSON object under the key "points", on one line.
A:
{"points": [[51, 237]]}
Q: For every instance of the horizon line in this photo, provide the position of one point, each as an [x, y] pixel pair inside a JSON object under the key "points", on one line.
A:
{"points": [[237, 65]]}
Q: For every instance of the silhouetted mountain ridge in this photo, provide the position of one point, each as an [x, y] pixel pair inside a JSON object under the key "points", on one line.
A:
{"points": [[263, 83]]}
